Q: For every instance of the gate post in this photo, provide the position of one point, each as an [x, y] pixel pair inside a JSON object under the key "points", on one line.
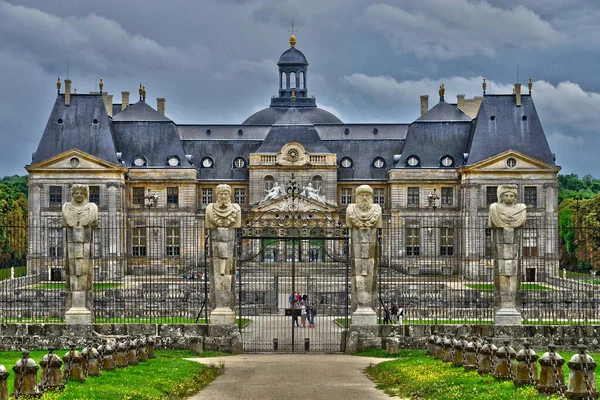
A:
{"points": [[79, 217], [363, 218], [222, 218]]}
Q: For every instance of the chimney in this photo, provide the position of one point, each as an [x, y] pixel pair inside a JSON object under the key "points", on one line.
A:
{"points": [[518, 94], [108, 104], [160, 105], [424, 104], [460, 102], [67, 92], [125, 100]]}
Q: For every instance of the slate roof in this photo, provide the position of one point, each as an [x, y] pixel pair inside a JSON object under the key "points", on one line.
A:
{"points": [[222, 152], [293, 127], [77, 129], [508, 130], [430, 141], [443, 111], [154, 140], [269, 116], [292, 56], [140, 111]]}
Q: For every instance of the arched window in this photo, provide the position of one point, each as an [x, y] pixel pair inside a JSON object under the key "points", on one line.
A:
{"points": [[292, 80], [269, 182], [346, 162], [317, 182], [301, 80], [283, 81]]}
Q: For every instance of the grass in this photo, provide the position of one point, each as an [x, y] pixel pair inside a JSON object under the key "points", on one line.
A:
{"points": [[490, 286], [62, 286], [19, 271], [412, 375], [168, 376]]}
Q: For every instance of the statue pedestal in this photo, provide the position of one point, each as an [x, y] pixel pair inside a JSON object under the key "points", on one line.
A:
{"points": [[364, 316], [78, 314], [222, 316], [507, 316]]}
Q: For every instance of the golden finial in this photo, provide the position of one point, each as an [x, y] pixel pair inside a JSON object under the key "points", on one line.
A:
{"points": [[442, 91], [58, 85], [101, 85], [484, 85], [530, 85], [292, 37]]}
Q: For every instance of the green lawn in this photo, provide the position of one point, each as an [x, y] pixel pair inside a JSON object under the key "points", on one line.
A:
{"points": [[168, 376], [490, 286], [412, 375], [62, 286]]}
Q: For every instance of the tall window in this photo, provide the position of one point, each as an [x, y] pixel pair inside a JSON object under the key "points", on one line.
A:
{"points": [[379, 196], [207, 196], [530, 196], [412, 197], [55, 242], [447, 198], [55, 196], [413, 241], [491, 195], [446, 241], [173, 237], [301, 80], [239, 196], [292, 80], [95, 195], [489, 250], [138, 195], [173, 197], [269, 182], [317, 182], [138, 242], [346, 196], [529, 243]]}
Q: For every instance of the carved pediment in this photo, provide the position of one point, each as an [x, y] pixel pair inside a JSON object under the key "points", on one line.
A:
{"points": [[510, 161], [75, 160], [300, 204]]}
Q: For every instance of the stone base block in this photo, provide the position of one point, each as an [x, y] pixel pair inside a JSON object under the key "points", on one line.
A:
{"points": [[364, 316], [78, 316], [222, 316], [507, 316]]}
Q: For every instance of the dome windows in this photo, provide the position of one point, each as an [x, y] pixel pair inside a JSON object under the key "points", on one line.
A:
{"points": [[207, 162], [139, 161], [239, 162], [378, 163], [413, 161], [173, 161], [447, 161], [346, 162]]}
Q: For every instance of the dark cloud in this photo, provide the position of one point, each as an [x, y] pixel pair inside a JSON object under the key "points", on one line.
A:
{"points": [[215, 61]]}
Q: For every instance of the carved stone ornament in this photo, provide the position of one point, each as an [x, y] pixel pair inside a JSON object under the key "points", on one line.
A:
{"points": [[223, 213]]}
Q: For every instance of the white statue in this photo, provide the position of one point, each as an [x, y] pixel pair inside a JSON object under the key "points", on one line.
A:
{"points": [[311, 193], [364, 214], [275, 192], [223, 213]]}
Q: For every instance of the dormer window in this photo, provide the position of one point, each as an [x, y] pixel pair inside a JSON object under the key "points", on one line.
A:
{"points": [[173, 161], [239, 162], [139, 161], [412, 161], [207, 162], [346, 162], [524, 118], [447, 161], [378, 163], [95, 121], [493, 118]]}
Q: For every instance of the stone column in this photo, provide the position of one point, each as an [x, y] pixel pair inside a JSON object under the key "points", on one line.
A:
{"points": [[506, 219], [79, 218], [363, 218], [222, 220]]}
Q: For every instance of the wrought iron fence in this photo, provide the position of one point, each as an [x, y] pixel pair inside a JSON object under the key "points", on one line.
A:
{"points": [[153, 267]]}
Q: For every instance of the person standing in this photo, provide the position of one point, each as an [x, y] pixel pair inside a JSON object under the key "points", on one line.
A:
{"points": [[386, 317], [303, 313], [295, 311], [394, 311], [400, 314], [313, 313]]}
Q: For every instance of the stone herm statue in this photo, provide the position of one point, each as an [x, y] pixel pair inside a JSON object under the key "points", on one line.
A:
{"points": [[222, 218], [79, 218], [506, 219], [363, 218]]}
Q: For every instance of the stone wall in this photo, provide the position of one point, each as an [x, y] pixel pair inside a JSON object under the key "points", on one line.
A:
{"points": [[173, 336]]}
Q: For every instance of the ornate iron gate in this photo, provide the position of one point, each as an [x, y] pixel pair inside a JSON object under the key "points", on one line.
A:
{"points": [[283, 257]]}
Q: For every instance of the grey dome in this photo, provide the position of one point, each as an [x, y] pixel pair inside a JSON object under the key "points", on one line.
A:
{"points": [[270, 115], [292, 56]]}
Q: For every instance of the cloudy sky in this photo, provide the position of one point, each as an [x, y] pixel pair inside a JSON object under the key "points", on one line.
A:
{"points": [[215, 60]]}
